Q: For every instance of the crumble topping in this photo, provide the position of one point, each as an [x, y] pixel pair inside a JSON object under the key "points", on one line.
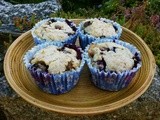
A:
{"points": [[56, 60], [55, 30], [98, 28], [111, 56]]}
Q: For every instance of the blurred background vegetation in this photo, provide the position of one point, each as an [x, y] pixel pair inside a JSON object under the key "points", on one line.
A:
{"points": [[142, 17]]}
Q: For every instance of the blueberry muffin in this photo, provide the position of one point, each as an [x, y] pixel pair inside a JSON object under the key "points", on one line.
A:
{"points": [[113, 63], [54, 30], [55, 67], [93, 29]]}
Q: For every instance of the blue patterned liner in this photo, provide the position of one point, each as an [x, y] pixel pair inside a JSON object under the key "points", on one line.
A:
{"points": [[110, 80], [38, 40], [53, 83], [86, 39]]}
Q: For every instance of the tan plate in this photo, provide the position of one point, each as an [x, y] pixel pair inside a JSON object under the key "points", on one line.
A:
{"points": [[85, 98]]}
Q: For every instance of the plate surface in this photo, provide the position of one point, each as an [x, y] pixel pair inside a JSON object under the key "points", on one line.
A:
{"points": [[85, 98]]}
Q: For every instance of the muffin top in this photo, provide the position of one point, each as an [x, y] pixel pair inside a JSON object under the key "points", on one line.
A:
{"points": [[98, 28], [111, 56], [56, 60], [55, 30]]}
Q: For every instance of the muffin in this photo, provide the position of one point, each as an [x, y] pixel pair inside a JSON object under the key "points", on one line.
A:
{"points": [[112, 63], [94, 29], [55, 30], [55, 67]]}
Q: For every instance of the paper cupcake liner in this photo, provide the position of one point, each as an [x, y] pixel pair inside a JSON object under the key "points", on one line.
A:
{"points": [[86, 39], [38, 40], [110, 80], [53, 83]]}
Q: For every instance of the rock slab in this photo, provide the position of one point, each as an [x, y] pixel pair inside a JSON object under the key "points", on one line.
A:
{"points": [[9, 11]]}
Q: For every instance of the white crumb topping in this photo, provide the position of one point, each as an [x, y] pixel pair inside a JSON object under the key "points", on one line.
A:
{"points": [[54, 31], [116, 57], [99, 28], [56, 60]]}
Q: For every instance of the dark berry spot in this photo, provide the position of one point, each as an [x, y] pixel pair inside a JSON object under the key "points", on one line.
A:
{"points": [[58, 27], [53, 20], [85, 32], [104, 49], [136, 59], [136, 54], [111, 71], [68, 22], [91, 54], [135, 64], [69, 66], [102, 36], [114, 49], [73, 28], [114, 40], [41, 66], [104, 63], [101, 64], [115, 28], [72, 46], [88, 23], [70, 34], [59, 49], [101, 53]]}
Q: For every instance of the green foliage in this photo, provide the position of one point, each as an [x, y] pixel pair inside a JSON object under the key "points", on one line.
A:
{"points": [[80, 13], [158, 59], [131, 3], [110, 6], [73, 5], [24, 1], [23, 23], [121, 20], [151, 36], [154, 6], [7, 44]]}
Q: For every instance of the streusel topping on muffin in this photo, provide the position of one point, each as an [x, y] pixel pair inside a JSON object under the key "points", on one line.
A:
{"points": [[98, 28], [56, 60], [111, 56], [54, 30]]}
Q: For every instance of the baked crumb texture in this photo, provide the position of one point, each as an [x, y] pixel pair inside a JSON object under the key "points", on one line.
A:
{"points": [[113, 63], [55, 30], [55, 67], [94, 29]]}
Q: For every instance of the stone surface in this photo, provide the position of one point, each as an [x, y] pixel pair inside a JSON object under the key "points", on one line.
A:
{"points": [[5, 89], [8, 11]]}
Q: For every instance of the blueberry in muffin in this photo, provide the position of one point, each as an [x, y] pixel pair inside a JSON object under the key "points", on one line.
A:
{"points": [[55, 67], [98, 28], [112, 63], [55, 30], [55, 60], [111, 56]]}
